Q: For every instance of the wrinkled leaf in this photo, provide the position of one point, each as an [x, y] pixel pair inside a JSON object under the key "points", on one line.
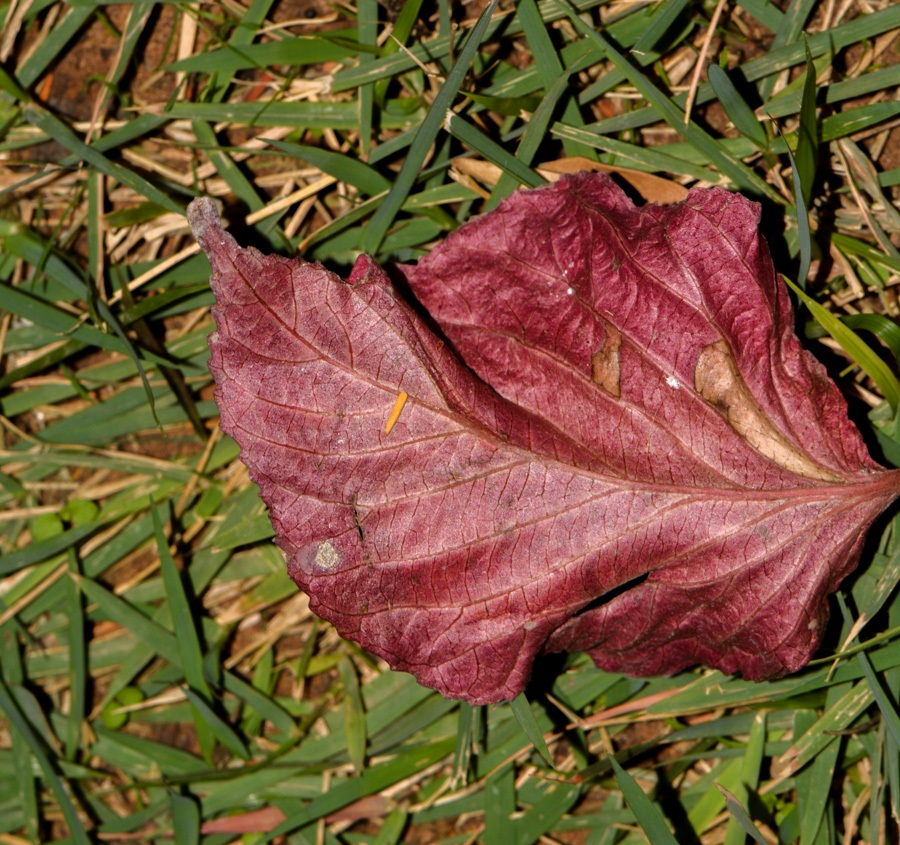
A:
{"points": [[616, 444]]}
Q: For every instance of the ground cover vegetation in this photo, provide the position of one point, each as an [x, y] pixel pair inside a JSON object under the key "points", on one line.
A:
{"points": [[161, 678]]}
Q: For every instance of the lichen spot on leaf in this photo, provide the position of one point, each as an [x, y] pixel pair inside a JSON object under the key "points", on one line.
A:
{"points": [[327, 556]]}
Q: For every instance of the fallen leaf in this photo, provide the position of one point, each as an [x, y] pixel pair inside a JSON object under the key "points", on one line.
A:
{"points": [[650, 187], [255, 821], [616, 445]]}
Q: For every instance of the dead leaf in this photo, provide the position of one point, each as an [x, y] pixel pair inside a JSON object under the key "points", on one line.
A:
{"points": [[624, 450], [256, 821], [650, 187]]}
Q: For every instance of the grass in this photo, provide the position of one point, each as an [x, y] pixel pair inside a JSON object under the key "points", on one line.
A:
{"points": [[160, 677]]}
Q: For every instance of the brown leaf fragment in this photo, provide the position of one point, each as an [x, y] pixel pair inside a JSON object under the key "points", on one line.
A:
{"points": [[650, 187], [255, 821]]}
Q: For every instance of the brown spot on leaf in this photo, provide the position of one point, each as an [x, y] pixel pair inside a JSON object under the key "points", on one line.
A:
{"points": [[717, 380], [605, 369]]}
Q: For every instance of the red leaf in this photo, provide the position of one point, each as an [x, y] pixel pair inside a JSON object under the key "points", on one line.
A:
{"points": [[637, 458]]}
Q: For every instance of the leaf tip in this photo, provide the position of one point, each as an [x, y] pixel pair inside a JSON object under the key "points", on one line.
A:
{"points": [[206, 227]]}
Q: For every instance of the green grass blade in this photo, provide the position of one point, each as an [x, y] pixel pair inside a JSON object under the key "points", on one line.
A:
{"points": [[499, 806], [467, 722], [216, 726], [825, 731], [492, 151], [32, 308], [58, 130], [250, 22], [12, 670], [34, 711], [739, 113], [854, 120], [185, 819], [510, 106], [134, 30], [391, 830], [857, 248], [742, 819], [859, 29], [804, 236], [165, 644], [342, 167], [534, 135], [185, 632], [51, 47], [25, 304], [241, 186], [95, 236], [851, 343], [77, 661], [766, 12], [119, 610], [541, 818], [521, 709], [837, 92], [653, 160], [882, 327], [44, 549], [807, 153], [342, 223], [892, 775], [885, 705], [387, 211], [16, 718], [547, 61], [753, 758], [400, 34], [152, 306], [138, 127], [374, 779], [711, 803], [883, 588], [263, 704], [750, 770], [742, 176], [645, 811], [812, 802], [367, 18], [441, 47], [661, 25], [354, 715], [264, 680], [550, 67], [788, 33], [301, 115], [227, 60]]}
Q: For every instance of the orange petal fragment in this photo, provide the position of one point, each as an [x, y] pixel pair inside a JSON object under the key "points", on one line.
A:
{"points": [[395, 413]]}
